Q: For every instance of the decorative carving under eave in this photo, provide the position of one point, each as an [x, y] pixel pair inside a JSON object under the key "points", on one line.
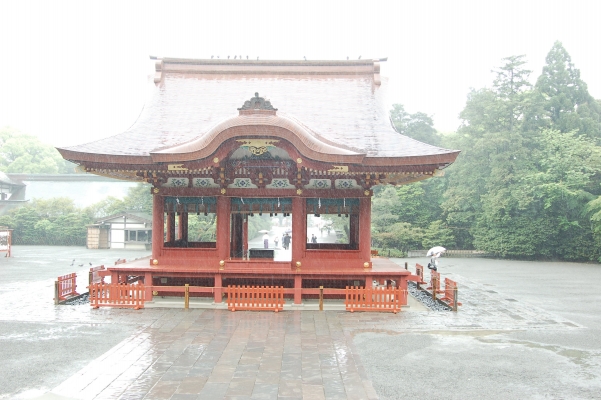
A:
{"points": [[258, 147], [257, 103]]}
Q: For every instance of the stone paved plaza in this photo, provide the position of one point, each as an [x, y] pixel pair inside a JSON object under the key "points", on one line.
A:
{"points": [[525, 330]]}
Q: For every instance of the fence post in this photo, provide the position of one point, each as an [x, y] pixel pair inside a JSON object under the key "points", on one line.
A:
{"points": [[455, 298], [55, 293], [405, 264], [321, 298], [434, 286], [187, 296]]}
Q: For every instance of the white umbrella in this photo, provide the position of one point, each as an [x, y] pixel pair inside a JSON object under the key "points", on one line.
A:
{"points": [[263, 231], [435, 250]]}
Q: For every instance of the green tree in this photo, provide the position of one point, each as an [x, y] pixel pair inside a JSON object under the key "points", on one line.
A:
{"points": [[564, 97], [139, 198], [495, 153], [105, 207], [418, 126], [438, 233], [20, 153]]}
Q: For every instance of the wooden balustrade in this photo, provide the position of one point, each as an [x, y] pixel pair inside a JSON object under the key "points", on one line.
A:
{"points": [[255, 298], [64, 287], [419, 271], [119, 295], [450, 293], [380, 299]]}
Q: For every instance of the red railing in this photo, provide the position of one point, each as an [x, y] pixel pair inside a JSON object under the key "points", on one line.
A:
{"points": [[94, 276], [255, 298], [434, 282], [381, 299], [65, 286], [119, 295], [419, 271], [450, 293]]}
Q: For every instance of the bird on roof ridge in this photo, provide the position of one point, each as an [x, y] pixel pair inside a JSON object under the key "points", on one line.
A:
{"points": [[347, 57], [247, 57], [228, 57], [257, 58], [359, 57], [211, 57], [235, 57], [305, 58]]}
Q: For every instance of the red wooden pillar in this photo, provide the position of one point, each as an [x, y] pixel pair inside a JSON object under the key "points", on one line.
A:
{"points": [[218, 290], [184, 228], [148, 286], [170, 227], [245, 236], [298, 286], [157, 225], [181, 222], [223, 227], [365, 228], [299, 229]]}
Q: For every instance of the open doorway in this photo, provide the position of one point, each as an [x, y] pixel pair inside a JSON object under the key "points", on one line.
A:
{"points": [[261, 228], [332, 224]]}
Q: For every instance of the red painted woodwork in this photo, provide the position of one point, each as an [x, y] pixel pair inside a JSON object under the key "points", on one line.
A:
{"points": [[157, 223], [365, 229], [223, 227], [299, 230]]}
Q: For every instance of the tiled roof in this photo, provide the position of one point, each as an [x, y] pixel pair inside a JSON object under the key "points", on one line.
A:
{"points": [[132, 215], [339, 102], [6, 180]]}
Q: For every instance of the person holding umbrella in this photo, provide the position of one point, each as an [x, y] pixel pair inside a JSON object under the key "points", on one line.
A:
{"points": [[435, 253]]}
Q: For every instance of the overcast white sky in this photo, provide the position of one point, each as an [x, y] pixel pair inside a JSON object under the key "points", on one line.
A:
{"points": [[76, 71]]}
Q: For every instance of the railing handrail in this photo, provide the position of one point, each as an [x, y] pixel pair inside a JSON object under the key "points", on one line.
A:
{"points": [[381, 299], [121, 295]]}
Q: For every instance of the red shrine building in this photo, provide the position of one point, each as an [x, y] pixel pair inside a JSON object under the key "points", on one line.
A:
{"points": [[295, 147]]}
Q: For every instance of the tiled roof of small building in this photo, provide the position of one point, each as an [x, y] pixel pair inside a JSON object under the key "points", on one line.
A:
{"points": [[341, 102]]}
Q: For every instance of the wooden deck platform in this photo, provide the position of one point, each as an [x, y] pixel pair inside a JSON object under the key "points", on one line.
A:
{"points": [[298, 281]]}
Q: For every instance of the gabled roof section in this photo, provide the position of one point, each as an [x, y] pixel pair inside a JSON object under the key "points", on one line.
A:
{"points": [[336, 105], [131, 215], [6, 181]]}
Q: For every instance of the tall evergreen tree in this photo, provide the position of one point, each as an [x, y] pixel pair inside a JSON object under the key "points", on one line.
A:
{"points": [[564, 97]]}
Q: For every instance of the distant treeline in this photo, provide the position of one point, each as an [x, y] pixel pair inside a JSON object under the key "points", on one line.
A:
{"points": [[58, 221], [527, 183]]}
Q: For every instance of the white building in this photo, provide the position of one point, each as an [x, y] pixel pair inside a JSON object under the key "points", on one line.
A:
{"points": [[130, 230]]}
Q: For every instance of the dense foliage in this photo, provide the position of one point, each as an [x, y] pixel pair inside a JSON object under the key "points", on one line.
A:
{"points": [[58, 221], [528, 180], [25, 154]]}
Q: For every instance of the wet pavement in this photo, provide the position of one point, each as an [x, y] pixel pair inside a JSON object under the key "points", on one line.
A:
{"points": [[525, 330]]}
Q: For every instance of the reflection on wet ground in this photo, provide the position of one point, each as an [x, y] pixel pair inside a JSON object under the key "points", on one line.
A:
{"points": [[213, 353]]}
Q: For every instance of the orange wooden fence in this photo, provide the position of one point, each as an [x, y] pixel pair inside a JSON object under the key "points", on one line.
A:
{"points": [[450, 293], [382, 299], [119, 295], [65, 286], [256, 298], [434, 283]]}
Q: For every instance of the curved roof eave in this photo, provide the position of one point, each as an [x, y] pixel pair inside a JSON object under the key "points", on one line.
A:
{"points": [[306, 141]]}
